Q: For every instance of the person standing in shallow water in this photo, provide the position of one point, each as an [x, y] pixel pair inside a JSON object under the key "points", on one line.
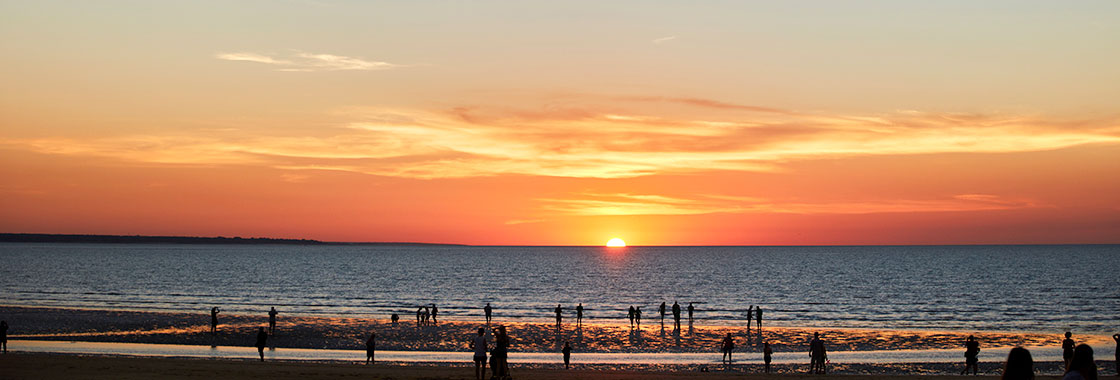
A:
{"points": [[758, 317], [630, 315], [567, 350], [272, 321], [371, 348], [579, 315], [486, 310], [1019, 366], [435, 311], [262, 340], [1067, 348], [1081, 366], [214, 320], [767, 355], [676, 315], [638, 316], [750, 318], [661, 310], [690, 310], [971, 350], [559, 315]]}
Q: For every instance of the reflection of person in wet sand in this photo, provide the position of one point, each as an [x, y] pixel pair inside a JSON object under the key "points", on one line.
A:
{"points": [[262, 340], [214, 319], [728, 346], [676, 315], [971, 351], [371, 348], [479, 345], [767, 355], [579, 315], [272, 321], [567, 350], [487, 311]]}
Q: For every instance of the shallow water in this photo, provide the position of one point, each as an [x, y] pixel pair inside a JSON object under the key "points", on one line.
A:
{"points": [[1008, 288]]}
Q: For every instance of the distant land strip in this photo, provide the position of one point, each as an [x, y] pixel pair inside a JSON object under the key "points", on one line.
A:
{"points": [[138, 239]]}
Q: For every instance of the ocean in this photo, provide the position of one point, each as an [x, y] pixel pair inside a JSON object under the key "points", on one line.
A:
{"points": [[981, 288]]}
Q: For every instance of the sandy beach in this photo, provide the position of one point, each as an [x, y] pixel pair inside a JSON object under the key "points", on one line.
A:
{"points": [[52, 366]]}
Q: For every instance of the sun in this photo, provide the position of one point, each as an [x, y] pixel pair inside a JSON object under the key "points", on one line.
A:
{"points": [[616, 242]]}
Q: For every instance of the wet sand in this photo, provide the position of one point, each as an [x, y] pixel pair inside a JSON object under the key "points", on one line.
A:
{"points": [[350, 333], [66, 367]]}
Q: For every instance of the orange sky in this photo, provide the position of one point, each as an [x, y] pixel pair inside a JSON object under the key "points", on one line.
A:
{"points": [[509, 123]]}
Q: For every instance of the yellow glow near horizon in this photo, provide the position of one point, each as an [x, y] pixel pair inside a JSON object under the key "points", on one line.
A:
{"points": [[616, 242]]}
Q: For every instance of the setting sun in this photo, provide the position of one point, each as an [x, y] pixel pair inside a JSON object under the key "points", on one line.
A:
{"points": [[616, 242]]}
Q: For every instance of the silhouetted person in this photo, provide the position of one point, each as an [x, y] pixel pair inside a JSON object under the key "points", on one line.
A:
{"points": [[499, 364], [487, 310], [1019, 366], [661, 310], [4, 335], [579, 314], [767, 355], [971, 350], [758, 317], [817, 354], [630, 315], [272, 321], [214, 320], [676, 315], [427, 315], [435, 311], [395, 318], [559, 315], [1082, 366], [567, 350], [750, 318], [690, 310], [1067, 348], [1115, 337], [262, 340], [479, 345], [419, 316], [371, 348], [728, 346], [638, 316]]}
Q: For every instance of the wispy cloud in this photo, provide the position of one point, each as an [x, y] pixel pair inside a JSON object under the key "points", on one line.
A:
{"points": [[590, 140], [303, 61], [664, 39], [594, 204]]}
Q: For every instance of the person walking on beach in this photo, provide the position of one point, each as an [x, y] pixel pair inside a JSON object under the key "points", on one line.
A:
{"points": [[479, 345], [4, 336], [676, 315], [728, 346], [661, 310], [487, 311], [690, 310], [971, 350], [638, 316], [435, 311], [630, 315], [371, 348], [567, 350], [214, 320], [1019, 366], [1081, 366], [767, 355], [1067, 348], [579, 315], [559, 316], [272, 321], [1115, 337], [817, 354], [758, 317], [262, 340]]}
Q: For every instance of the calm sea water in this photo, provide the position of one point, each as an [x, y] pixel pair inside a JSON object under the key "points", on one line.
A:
{"points": [[1014, 288]]}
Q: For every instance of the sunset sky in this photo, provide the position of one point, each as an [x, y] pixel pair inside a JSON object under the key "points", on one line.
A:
{"points": [[564, 122]]}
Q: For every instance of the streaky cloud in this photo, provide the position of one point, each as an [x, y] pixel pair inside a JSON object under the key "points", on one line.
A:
{"points": [[300, 61]]}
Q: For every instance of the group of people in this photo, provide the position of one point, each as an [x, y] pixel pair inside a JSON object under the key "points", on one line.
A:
{"points": [[1079, 361], [426, 317], [499, 363]]}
